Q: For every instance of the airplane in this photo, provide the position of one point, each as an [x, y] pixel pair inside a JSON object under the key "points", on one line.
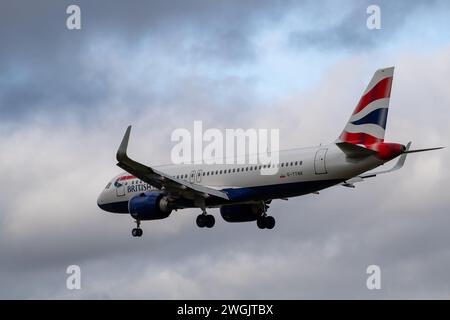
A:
{"points": [[241, 192]]}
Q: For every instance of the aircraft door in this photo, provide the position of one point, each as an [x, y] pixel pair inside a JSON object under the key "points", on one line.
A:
{"points": [[199, 176], [192, 177], [319, 161]]}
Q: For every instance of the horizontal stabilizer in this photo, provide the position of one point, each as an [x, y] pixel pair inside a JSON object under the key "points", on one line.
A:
{"points": [[354, 150], [398, 165], [423, 150]]}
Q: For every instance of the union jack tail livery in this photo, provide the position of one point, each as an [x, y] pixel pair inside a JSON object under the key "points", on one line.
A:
{"points": [[367, 124]]}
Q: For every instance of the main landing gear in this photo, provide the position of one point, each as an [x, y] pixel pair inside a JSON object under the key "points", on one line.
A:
{"points": [[265, 221], [137, 232], [205, 220]]}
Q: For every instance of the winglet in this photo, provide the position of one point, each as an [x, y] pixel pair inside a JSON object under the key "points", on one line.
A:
{"points": [[147, 174], [122, 151]]}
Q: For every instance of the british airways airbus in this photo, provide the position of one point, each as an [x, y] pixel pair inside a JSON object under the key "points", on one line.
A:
{"points": [[241, 192]]}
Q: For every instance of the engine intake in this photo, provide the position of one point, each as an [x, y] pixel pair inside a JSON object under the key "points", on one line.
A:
{"points": [[149, 206]]}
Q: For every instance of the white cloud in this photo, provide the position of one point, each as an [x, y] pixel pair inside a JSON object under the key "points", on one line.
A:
{"points": [[53, 171]]}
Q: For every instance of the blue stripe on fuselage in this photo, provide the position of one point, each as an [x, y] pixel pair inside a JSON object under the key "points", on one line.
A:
{"points": [[282, 190], [274, 191]]}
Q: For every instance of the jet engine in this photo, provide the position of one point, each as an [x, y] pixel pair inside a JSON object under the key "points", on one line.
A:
{"points": [[241, 212], [149, 206]]}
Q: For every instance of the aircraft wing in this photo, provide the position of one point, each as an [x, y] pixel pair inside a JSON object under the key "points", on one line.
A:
{"points": [[398, 165], [159, 179]]}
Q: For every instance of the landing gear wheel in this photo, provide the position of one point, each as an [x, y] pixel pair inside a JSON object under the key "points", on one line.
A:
{"points": [[201, 220], [261, 222], [210, 221], [265, 222], [270, 222], [137, 232], [205, 220]]}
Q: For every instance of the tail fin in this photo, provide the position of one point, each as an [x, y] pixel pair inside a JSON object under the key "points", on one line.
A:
{"points": [[367, 124]]}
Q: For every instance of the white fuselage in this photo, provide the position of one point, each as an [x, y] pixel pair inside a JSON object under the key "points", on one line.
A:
{"points": [[317, 167]]}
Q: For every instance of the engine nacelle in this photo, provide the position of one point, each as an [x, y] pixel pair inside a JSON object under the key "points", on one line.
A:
{"points": [[149, 206], [241, 212]]}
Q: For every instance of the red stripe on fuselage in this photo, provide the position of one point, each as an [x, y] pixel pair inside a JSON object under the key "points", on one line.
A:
{"points": [[381, 90], [126, 178]]}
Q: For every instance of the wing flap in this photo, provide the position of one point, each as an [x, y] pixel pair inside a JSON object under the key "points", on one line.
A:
{"points": [[354, 151]]}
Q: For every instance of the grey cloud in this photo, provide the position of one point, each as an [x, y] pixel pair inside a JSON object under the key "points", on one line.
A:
{"points": [[350, 33], [100, 81], [320, 248], [44, 67]]}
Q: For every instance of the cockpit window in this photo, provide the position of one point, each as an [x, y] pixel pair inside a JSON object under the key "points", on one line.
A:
{"points": [[108, 185]]}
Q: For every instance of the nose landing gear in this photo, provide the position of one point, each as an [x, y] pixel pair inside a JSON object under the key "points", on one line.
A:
{"points": [[137, 232]]}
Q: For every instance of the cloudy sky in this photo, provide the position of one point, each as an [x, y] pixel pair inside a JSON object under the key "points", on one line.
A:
{"points": [[66, 98]]}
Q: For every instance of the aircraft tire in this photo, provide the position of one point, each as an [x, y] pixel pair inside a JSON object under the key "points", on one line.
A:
{"points": [[270, 222], [201, 221], [210, 221], [261, 222]]}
